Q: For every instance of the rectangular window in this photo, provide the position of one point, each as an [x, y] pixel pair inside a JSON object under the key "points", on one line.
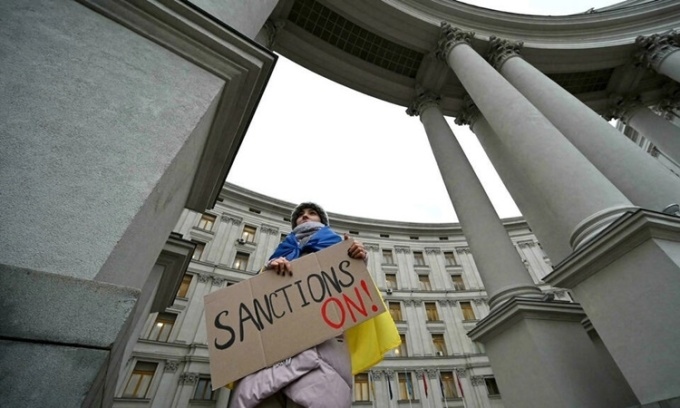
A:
{"points": [[241, 261], [354, 232], [458, 282], [402, 350], [405, 386], [418, 258], [414, 238], [439, 345], [203, 391], [198, 252], [248, 233], [184, 286], [254, 210], [387, 256], [424, 282], [431, 311], [162, 327], [391, 280], [491, 386], [449, 258], [468, 313], [384, 235], [443, 238], [395, 311], [449, 385], [283, 238], [361, 392], [140, 380], [206, 223]]}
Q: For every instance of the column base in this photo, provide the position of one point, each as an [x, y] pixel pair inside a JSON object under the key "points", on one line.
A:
{"points": [[541, 356], [628, 280]]}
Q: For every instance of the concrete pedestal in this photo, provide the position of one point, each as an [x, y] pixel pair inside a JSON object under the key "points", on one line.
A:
{"points": [[628, 279], [542, 357]]}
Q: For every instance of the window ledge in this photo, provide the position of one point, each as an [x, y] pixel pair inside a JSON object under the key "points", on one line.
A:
{"points": [[130, 400]]}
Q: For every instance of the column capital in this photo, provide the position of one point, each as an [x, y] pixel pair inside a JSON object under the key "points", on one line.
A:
{"points": [[670, 100], [188, 378], [232, 219], [377, 374], [620, 107], [402, 249], [653, 49], [371, 247], [269, 229], [424, 99], [204, 277], [171, 366], [432, 373], [272, 28], [468, 114], [449, 37], [461, 371], [477, 380], [502, 50]]}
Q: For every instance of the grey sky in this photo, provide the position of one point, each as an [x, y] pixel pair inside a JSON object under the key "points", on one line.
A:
{"points": [[312, 139]]}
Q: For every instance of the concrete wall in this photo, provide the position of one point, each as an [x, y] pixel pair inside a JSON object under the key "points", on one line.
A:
{"points": [[247, 17]]}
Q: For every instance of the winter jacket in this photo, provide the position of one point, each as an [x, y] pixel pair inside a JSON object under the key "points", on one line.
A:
{"points": [[319, 377]]}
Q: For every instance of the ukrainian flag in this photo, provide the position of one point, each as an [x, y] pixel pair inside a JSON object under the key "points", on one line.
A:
{"points": [[369, 341]]}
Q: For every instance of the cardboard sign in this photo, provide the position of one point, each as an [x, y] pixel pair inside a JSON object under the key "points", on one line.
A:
{"points": [[265, 319]]}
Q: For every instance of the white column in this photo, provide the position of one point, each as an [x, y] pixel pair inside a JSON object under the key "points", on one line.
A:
{"points": [[525, 195], [660, 53], [643, 180], [500, 267], [544, 156], [664, 134]]}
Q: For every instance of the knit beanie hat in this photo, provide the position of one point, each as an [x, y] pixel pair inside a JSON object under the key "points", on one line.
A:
{"points": [[313, 206]]}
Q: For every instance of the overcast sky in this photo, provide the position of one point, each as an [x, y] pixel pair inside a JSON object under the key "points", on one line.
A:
{"points": [[314, 140]]}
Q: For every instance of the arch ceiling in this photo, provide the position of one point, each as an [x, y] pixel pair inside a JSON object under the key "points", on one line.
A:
{"points": [[383, 48]]}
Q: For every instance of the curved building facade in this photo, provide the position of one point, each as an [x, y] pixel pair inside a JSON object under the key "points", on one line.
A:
{"points": [[119, 115], [425, 273]]}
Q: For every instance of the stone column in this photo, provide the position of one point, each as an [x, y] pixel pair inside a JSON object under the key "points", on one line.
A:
{"points": [[544, 156], [500, 267], [660, 53], [664, 134], [525, 195], [643, 180]]}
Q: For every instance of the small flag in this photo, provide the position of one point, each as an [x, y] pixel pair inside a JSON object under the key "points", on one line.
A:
{"points": [[409, 385], [425, 384], [460, 387], [389, 385]]}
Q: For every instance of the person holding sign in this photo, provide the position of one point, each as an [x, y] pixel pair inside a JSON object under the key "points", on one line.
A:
{"points": [[321, 375]]}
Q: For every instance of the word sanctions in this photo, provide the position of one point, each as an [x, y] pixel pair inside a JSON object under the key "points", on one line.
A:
{"points": [[335, 291]]}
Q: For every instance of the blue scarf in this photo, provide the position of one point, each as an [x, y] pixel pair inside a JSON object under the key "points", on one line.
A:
{"points": [[290, 249]]}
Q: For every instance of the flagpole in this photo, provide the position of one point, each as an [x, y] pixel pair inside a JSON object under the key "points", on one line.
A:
{"points": [[371, 389]]}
